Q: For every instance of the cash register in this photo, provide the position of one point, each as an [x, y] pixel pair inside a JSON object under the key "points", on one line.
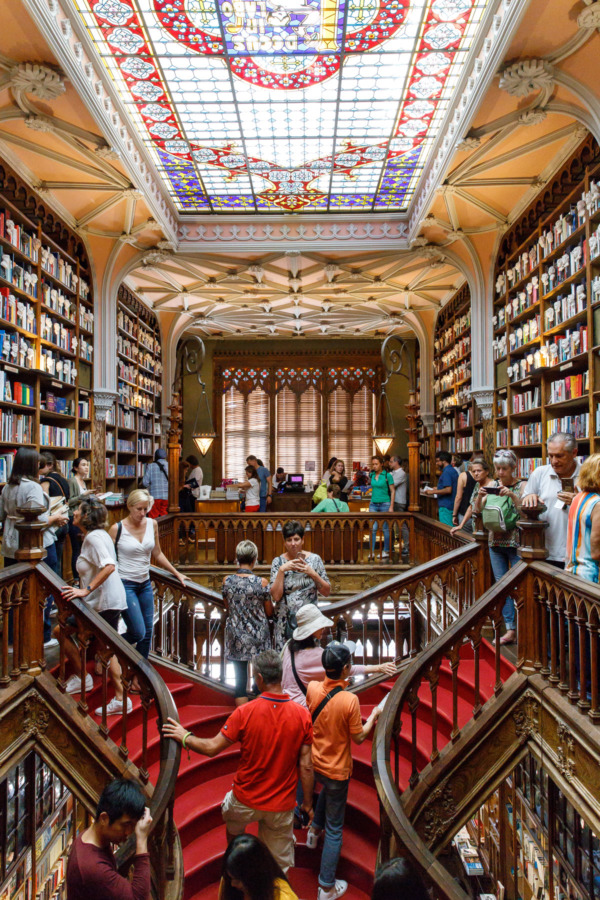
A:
{"points": [[294, 484]]}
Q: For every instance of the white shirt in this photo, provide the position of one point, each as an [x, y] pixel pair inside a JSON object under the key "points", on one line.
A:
{"points": [[253, 493], [198, 474], [544, 482], [134, 555], [400, 485], [98, 551]]}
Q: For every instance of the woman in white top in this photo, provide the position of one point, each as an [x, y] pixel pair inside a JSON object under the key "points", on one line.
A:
{"points": [[252, 488], [193, 476], [137, 546], [103, 591]]}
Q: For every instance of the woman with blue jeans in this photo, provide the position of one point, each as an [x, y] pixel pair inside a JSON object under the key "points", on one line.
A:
{"points": [[137, 546], [503, 545], [382, 500]]}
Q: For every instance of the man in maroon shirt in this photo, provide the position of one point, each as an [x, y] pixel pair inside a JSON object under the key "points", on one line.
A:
{"points": [[275, 736], [91, 869]]}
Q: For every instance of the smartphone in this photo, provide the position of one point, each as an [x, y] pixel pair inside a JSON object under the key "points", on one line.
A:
{"points": [[568, 484], [492, 490]]}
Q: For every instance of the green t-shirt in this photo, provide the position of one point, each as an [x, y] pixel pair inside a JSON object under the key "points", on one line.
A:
{"points": [[328, 505], [382, 487]]}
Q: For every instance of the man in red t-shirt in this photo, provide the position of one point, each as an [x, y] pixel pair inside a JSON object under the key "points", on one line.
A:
{"points": [[276, 737], [91, 868]]}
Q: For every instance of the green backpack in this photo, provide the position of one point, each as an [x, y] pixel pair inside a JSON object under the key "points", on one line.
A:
{"points": [[499, 514]]}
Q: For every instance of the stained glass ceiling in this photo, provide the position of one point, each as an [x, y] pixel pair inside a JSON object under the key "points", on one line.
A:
{"points": [[285, 105]]}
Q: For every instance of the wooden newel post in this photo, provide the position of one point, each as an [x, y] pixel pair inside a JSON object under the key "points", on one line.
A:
{"points": [[414, 452], [174, 451], [533, 533], [31, 622]]}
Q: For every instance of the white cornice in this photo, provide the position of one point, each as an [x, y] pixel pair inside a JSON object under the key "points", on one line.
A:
{"points": [[68, 40], [500, 24]]}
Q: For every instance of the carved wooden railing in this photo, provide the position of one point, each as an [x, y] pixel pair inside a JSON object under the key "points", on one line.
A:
{"points": [[353, 538], [558, 627], [389, 622], [23, 591]]}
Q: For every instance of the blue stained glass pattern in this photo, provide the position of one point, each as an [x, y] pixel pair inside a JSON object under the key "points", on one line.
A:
{"points": [[285, 105]]}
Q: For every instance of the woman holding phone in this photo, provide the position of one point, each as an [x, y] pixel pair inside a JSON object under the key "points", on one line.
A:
{"points": [[480, 471], [503, 544]]}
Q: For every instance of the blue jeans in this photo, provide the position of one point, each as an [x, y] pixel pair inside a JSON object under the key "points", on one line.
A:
{"points": [[503, 559], [329, 814], [263, 504], [139, 615], [380, 507]]}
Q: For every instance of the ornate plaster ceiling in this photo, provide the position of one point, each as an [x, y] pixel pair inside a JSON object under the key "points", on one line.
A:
{"points": [[297, 293]]}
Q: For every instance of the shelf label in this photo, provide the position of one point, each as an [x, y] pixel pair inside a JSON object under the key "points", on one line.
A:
{"points": [[10, 369], [57, 384], [525, 383], [566, 366]]}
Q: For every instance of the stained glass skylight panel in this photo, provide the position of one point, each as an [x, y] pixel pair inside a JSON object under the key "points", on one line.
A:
{"points": [[285, 105]]}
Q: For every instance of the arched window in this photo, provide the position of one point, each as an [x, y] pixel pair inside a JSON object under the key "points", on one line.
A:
{"points": [[299, 431]]}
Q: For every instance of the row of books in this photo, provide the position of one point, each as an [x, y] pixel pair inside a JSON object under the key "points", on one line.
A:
{"points": [[57, 436], [85, 440], [145, 446], [54, 264], [109, 469], [16, 427], [130, 396], [56, 333], [134, 328], [569, 388], [126, 418], [450, 334], [530, 433], [579, 425], [125, 471], [566, 307], [526, 332], [16, 349], [86, 318], [110, 441], [55, 300], [124, 446], [16, 391], [21, 276], [26, 241], [527, 465], [566, 266], [526, 400], [60, 368], [6, 464], [16, 311]]}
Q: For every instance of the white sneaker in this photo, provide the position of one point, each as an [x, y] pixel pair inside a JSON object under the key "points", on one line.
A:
{"points": [[115, 707], [385, 555], [73, 685], [312, 838], [53, 642], [340, 887]]}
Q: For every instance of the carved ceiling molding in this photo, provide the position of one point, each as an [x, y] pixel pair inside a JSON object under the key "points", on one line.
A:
{"points": [[71, 45], [242, 235]]}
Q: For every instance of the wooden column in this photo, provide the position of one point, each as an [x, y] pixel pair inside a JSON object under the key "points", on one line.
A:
{"points": [[533, 533], [414, 449], [174, 451], [31, 625]]}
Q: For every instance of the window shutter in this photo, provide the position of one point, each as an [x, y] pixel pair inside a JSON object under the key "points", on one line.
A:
{"points": [[351, 426], [299, 431], [246, 430]]}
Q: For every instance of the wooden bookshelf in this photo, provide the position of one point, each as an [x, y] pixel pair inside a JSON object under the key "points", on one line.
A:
{"points": [[547, 318], [46, 330], [133, 431], [39, 819], [457, 428]]}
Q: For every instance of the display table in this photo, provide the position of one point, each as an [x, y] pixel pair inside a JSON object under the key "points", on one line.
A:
{"points": [[289, 502], [219, 505]]}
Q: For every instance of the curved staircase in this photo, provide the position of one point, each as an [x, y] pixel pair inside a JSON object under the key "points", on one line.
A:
{"points": [[202, 783]]}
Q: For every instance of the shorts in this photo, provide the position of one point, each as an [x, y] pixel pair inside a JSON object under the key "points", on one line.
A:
{"points": [[275, 829]]}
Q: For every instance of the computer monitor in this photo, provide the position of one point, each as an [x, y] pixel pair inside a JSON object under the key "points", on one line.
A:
{"points": [[295, 479]]}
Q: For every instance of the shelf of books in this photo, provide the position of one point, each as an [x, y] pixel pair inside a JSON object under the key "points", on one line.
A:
{"points": [[133, 430], [39, 818], [531, 841], [46, 331], [457, 428], [547, 328]]}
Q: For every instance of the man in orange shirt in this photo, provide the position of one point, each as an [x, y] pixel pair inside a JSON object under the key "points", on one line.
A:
{"points": [[336, 721]]}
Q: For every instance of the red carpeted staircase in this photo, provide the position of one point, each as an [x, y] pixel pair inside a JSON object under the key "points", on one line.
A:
{"points": [[203, 782]]}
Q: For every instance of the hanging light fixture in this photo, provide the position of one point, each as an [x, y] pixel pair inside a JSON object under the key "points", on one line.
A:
{"points": [[394, 353], [192, 359]]}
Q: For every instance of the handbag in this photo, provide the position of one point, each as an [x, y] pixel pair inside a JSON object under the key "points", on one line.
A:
{"points": [[320, 493]]}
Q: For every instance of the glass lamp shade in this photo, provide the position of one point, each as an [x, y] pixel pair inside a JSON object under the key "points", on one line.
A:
{"points": [[203, 442], [383, 442]]}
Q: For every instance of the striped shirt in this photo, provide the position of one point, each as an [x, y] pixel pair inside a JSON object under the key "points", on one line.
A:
{"points": [[579, 533]]}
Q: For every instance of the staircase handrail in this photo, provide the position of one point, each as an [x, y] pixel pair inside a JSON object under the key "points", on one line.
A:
{"points": [[405, 694], [42, 580]]}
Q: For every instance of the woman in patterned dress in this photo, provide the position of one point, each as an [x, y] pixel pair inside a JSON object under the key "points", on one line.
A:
{"points": [[248, 604], [297, 578]]}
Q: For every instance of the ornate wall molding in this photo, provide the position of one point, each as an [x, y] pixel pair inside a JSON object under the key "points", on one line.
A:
{"points": [[195, 235], [104, 401]]}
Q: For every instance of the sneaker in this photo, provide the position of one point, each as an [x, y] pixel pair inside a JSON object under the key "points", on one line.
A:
{"points": [[115, 707], [51, 642], [73, 685], [340, 887], [385, 555], [312, 838]]}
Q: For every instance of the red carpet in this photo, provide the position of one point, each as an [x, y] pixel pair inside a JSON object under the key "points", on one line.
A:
{"points": [[202, 782]]}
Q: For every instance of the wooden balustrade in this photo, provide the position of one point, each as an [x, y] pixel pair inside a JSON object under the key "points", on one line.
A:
{"points": [[24, 588]]}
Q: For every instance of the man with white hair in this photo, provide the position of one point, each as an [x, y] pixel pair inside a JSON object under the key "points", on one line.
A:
{"points": [[554, 485]]}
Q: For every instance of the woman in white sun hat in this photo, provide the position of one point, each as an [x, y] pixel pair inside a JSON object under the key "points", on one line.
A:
{"points": [[303, 654]]}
